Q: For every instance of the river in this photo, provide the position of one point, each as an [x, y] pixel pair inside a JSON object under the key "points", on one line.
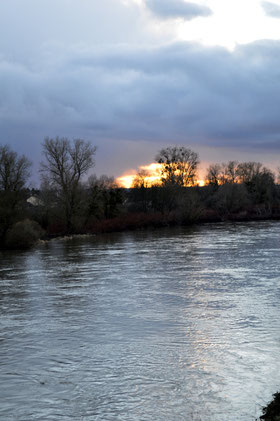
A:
{"points": [[170, 324]]}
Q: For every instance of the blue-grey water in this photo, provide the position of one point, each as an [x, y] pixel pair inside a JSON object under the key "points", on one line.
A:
{"points": [[172, 324]]}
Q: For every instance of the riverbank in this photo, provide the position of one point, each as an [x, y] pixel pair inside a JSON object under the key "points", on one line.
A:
{"points": [[130, 222], [141, 220]]}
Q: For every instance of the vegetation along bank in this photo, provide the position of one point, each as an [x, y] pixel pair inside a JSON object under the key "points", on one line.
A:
{"points": [[70, 201]]}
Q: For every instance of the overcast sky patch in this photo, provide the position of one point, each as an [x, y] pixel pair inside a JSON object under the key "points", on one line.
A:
{"points": [[121, 80], [184, 91], [170, 9]]}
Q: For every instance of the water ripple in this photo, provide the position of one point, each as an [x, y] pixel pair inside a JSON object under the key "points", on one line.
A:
{"points": [[177, 324]]}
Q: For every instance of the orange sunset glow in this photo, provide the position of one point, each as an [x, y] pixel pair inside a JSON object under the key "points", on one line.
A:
{"points": [[152, 175]]}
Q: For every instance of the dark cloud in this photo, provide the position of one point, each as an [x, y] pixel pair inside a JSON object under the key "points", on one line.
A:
{"points": [[271, 9], [167, 9], [90, 73], [180, 93]]}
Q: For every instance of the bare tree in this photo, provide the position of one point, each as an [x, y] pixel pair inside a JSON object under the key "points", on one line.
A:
{"points": [[213, 176], [229, 173], [248, 170], [233, 172], [65, 165], [225, 173], [14, 170], [179, 166], [141, 180], [104, 182]]}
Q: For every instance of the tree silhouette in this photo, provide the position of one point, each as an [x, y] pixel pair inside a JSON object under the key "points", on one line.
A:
{"points": [[178, 166], [14, 170], [65, 165]]}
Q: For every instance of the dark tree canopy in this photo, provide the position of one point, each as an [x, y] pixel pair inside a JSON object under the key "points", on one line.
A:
{"points": [[105, 198], [14, 170], [179, 166], [234, 172]]}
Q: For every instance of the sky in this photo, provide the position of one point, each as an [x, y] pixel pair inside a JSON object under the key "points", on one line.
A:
{"points": [[134, 76]]}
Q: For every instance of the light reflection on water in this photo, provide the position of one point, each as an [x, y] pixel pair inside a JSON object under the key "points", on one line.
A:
{"points": [[173, 324]]}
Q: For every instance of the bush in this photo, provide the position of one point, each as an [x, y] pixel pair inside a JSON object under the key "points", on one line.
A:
{"points": [[231, 198], [189, 205], [23, 234]]}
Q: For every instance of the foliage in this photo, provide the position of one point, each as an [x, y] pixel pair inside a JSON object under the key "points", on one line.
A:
{"points": [[23, 234], [14, 173], [164, 199], [231, 198], [262, 187], [190, 207], [67, 203], [105, 198]]}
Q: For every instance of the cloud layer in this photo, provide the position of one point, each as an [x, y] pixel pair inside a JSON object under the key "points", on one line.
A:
{"points": [[167, 9], [183, 92], [271, 9], [130, 98]]}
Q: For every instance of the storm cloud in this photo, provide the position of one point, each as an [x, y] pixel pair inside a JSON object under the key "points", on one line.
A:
{"points": [[271, 9], [167, 9], [183, 92], [130, 98]]}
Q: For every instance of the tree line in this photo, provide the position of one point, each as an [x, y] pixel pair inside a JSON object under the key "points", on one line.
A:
{"points": [[70, 202]]}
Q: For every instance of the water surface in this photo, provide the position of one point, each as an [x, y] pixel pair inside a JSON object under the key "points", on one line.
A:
{"points": [[173, 324]]}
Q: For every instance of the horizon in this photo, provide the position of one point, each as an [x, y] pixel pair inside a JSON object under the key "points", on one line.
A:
{"points": [[152, 172]]}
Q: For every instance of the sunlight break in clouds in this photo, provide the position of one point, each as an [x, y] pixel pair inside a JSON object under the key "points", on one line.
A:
{"points": [[220, 22], [233, 22], [152, 176]]}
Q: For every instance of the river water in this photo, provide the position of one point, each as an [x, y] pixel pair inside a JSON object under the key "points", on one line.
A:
{"points": [[172, 324]]}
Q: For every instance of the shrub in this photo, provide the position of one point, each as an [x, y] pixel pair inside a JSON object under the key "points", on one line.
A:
{"points": [[23, 234], [190, 207], [231, 198]]}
